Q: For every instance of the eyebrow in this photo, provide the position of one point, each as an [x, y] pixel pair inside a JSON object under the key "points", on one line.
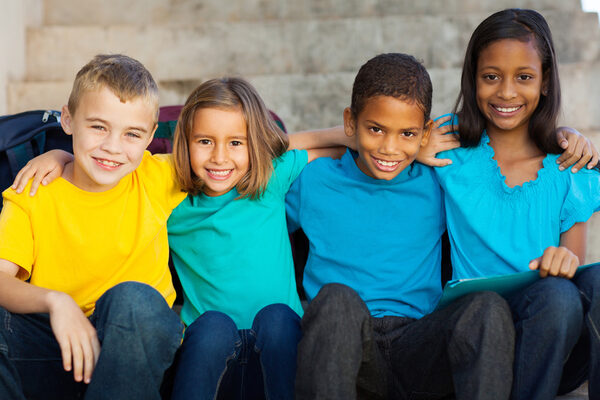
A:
{"points": [[412, 128], [200, 134], [135, 128], [498, 68]]}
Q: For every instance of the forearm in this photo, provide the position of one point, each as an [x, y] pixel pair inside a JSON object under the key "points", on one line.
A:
{"points": [[23, 298], [319, 139], [575, 239]]}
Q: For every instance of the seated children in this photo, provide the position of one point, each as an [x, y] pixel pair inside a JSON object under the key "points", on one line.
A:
{"points": [[374, 220], [84, 281], [230, 243]]}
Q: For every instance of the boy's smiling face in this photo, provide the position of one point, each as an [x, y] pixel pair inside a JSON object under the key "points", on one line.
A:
{"points": [[389, 133], [109, 138]]}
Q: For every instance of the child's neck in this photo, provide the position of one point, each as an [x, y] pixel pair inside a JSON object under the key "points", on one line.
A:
{"points": [[517, 156]]}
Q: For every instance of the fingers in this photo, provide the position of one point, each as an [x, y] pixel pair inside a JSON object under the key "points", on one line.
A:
{"points": [[562, 140], [582, 162], [65, 352], [437, 162], [77, 352], [23, 176], [594, 160], [579, 151], [556, 261], [442, 130], [91, 354]]}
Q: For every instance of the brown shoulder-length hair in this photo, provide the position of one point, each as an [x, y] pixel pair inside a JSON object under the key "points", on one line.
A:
{"points": [[266, 141], [523, 25]]}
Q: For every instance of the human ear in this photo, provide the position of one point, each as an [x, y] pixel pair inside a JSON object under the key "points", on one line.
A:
{"points": [[151, 136], [65, 120], [426, 133], [349, 122]]}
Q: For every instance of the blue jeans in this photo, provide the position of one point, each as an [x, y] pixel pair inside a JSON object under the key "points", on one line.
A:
{"points": [[139, 336], [557, 325], [217, 358]]}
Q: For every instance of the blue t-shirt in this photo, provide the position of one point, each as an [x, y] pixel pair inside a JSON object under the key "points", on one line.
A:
{"points": [[382, 238], [234, 255], [495, 229]]}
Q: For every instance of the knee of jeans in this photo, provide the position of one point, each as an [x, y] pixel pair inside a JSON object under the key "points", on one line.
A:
{"points": [[212, 332], [558, 299], [588, 282], [488, 308], [337, 295], [140, 307], [277, 324]]}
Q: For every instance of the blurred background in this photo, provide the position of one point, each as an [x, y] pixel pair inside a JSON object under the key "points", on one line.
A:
{"points": [[301, 55]]}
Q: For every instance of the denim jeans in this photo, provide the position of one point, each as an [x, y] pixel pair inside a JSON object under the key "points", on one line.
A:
{"points": [[218, 359], [465, 349], [139, 336], [557, 326]]}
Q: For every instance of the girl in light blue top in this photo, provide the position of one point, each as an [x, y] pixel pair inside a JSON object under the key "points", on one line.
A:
{"points": [[509, 208]]}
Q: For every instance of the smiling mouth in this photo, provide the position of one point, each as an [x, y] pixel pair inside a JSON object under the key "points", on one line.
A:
{"points": [[219, 174], [507, 110], [386, 166], [107, 164]]}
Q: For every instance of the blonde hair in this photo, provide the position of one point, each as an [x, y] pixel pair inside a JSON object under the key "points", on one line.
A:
{"points": [[265, 140], [126, 77]]}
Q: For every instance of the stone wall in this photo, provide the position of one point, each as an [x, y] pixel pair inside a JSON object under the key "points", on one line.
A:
{"points": [[301, 55]]}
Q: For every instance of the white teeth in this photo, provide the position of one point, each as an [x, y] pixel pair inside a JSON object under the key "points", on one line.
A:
{"points": [[506, 110], [387, 163], [219, 173], [109, 163]]}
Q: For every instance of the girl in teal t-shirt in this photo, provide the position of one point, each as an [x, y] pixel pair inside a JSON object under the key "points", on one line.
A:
{"points": [[231, 248], [509, 208]]}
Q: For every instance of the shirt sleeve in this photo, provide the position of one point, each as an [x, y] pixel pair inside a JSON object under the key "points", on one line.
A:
{"points": [[292, 205], [159, 173], [582, 199], [287, 168], [16, 237]]}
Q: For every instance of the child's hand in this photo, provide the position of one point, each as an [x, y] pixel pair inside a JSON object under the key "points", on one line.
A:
{"points": [[556, 261], [76, 336], [43, 169], [439, 141], [579, 150]]}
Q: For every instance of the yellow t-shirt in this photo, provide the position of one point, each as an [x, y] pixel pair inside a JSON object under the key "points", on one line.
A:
{"points": [[84, 243]]}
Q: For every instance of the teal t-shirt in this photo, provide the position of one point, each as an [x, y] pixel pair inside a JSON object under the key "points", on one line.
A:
{"points": [[233, 255]]}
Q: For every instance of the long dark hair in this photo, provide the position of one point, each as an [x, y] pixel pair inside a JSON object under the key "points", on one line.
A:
{"points": [[523, 25]]}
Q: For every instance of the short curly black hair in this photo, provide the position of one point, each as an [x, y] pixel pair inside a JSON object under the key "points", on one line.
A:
{"points": [[392, 74]]}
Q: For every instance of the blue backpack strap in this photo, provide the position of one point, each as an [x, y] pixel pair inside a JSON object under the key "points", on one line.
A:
{"points": [[19, 155]]}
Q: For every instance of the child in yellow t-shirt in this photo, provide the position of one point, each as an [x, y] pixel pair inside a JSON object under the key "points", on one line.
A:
{"points": [[84, 278]]}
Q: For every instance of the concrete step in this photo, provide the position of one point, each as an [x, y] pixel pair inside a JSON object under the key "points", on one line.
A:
{"points": [[283, 47], [194, 12], [579, 394], [316, 100]]}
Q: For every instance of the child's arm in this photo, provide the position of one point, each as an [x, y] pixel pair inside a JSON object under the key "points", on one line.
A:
{"points": [[328, 142], [579, 150], [563, 260], [74, 333], [43, 169], [440, 140]]}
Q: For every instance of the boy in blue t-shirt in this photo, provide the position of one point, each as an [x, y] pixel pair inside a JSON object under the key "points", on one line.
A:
{"points": [[374, 220]]}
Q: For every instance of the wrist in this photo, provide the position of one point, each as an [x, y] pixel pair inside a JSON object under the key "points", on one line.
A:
{"points": [[55, 300]]}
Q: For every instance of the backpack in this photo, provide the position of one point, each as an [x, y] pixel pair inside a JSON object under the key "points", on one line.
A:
{"points": [[26, 135]]}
